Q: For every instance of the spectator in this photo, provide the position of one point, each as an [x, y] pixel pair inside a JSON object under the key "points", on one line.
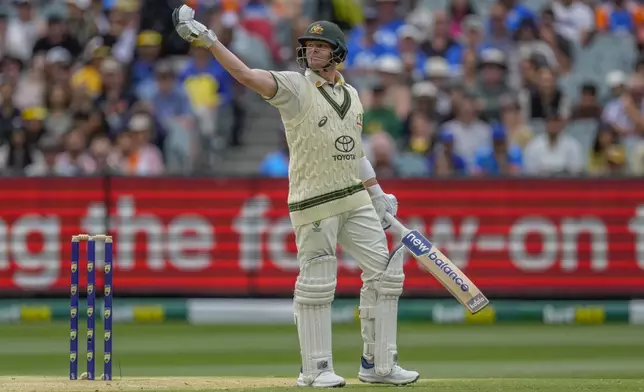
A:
{"points": [[138, 156], [500, 158], [499, 36], [389, 22], [16, 155], [575, 20], [605, 148], [554, 153], [74, 161], [516, 12], [34, 123], [443, 160], [561, 46], [492, 86], [81, 23], [275, 164], [148, 52], [626, 113], [619, 16], [116, 97], [100, 150], [519, 133], [459, 10], [438, 73], [422, 133], [45, 165], [30, 86], [440, 42], [471, 42], [363, 48], [58, 62], [23, 31], [468, 131], [57, 35], [383, 152], [9, 113], [546, 99], [381, 118], [88, 76], [424, 106], [412, 57], [616, 83], [588, 106], [59, 119]]}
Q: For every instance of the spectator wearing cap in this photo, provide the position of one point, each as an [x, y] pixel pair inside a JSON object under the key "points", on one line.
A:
{"points": [[58, 65], [59, 118], [412, 57], [444, 160], [547, 98], [575, 20], [519, 133], [468, 130], [380, 117], [363, 48], [9, 114], [492, 85], [121, 34], [616, 83], [140, 157], [75, 161], [57, 35], [440, 41], [424, 106], [88, 76], [34, 123], [148, 52], [603, 150], [81, 23], [458, 12], [589, 106], [554, 153], [23, 30], [500, 158], [438, 73], [626, 113], [17, 154]]}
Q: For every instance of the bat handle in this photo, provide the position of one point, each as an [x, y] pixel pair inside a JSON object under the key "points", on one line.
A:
{"points": [[395, 224]]}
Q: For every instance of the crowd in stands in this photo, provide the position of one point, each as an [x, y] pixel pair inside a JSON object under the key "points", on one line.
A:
{"points": [[449, 87]]}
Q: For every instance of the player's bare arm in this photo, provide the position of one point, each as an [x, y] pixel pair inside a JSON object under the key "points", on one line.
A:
{"points": [[258, 80]]}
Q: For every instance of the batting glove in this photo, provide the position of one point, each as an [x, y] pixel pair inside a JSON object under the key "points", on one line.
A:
{"points": [[384, 203], [189, 29]]}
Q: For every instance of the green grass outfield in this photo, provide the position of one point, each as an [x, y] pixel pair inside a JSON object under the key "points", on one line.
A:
{"points": [[177, 356]]}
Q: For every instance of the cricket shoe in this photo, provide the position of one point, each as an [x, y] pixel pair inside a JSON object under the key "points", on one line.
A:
{"points": [[397, 376], [327, 379]]}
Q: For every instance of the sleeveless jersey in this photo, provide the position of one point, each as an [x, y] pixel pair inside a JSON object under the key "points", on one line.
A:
{"points": [[323, 125]]}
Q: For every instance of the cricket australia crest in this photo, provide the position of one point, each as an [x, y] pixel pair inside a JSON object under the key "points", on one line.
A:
{"points": [[316, 29], [107, 313]]}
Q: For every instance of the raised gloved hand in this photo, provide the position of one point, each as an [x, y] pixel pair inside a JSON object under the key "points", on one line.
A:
{"points": [[383, 203], [189, 29]]}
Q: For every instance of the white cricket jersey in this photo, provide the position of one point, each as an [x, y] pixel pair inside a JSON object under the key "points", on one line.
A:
{"points": [[323, 124]]}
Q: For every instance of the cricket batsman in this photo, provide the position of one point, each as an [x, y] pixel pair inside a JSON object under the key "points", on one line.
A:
{"points": [[333, 198]]}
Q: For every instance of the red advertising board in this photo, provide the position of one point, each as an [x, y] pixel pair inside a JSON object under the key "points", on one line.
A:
{"points": [[233, 237]]}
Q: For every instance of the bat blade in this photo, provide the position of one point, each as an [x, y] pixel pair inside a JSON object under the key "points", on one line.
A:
{"points": [[446, 272]]}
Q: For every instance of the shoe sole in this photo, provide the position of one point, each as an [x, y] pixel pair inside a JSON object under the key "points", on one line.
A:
{"points": [[325, 386], [389, 383]]}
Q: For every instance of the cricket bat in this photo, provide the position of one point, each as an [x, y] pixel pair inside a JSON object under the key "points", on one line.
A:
{"points": [[448, 274]]}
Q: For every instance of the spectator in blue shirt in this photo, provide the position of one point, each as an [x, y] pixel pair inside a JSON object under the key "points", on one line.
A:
{"points": [[443, 161], [499, 159], [516, 12], [363, 48], [275, 164], [149, 48], [390, 22]]}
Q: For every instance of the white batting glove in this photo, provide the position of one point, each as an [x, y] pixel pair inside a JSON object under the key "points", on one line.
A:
{"points": [[384, 203], [189, 29]]}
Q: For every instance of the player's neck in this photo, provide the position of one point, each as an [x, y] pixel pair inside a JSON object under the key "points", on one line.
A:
{"points": [[327, 74]]}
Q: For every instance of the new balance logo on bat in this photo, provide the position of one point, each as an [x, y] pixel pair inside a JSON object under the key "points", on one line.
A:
{"points": [[421, 247]]}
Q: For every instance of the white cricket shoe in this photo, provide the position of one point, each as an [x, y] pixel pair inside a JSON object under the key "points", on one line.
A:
{"points": [[398, 375], [326, 379]]}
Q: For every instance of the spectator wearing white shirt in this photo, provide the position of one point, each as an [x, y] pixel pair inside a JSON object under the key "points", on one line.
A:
{"points": [[626, 113], [574, 19], [468, 130], [554, 152], [23, 31]]}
